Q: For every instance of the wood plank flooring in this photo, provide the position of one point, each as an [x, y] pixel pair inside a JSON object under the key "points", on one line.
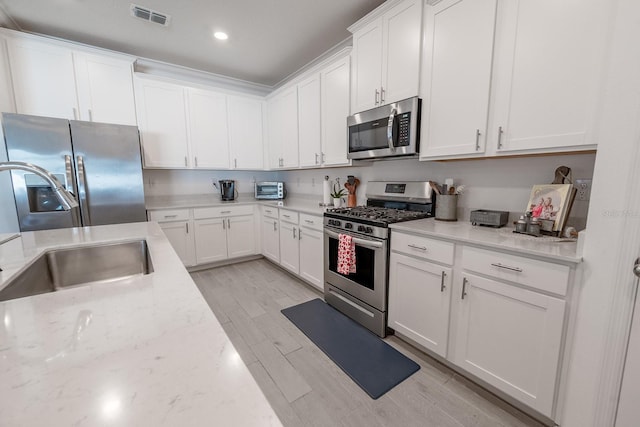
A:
{"points": [[306, 388]]}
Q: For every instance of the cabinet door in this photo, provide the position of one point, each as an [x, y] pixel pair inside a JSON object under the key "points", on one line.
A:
{"points": [[105, 89], [245, 133], [401, 35], [549, 56], [208, 129], [271, 239], [309, 122], [289, 252], [43, 79], [287, 122], [456, 77], [312, 256], [510, 338], [241, 240], [163, 124], [367, 67], [419, 301], [211, 240], [181, 240], [335, 110]]}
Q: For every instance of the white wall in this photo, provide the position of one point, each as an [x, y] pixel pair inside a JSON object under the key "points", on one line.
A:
{"points": [[501, 184]]}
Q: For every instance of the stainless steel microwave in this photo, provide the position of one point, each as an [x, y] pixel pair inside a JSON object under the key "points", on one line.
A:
{"points": [[270, 190], [387, 131]]}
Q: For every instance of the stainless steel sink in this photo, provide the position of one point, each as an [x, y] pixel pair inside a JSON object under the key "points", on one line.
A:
{"points": [[60, 268]]}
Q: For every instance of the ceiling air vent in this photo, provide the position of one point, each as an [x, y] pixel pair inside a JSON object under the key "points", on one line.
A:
{"points": [[150, 15]]}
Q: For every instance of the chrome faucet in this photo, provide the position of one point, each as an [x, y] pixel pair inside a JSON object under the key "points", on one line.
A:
{"points": [[66, 199]]}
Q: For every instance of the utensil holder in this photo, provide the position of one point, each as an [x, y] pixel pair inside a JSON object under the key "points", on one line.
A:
{"points": [[447, 207]]}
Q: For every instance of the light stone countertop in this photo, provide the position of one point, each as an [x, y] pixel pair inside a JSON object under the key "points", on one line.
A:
{"points": [[307, 204], [140, 351], [494, 238]]}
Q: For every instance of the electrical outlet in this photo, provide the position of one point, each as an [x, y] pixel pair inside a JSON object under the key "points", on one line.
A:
{"points": [[584, 189]]}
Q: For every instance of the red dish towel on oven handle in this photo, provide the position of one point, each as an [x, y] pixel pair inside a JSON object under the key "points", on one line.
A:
{"points": [[346, 254]]}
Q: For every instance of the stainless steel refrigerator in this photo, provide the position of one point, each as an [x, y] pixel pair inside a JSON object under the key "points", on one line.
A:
{"points": [[99, 163]]}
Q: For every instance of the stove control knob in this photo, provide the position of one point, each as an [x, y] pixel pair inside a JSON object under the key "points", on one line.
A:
{"points": [[368, 230], [348, 225], [336, 223], [361, 228]]}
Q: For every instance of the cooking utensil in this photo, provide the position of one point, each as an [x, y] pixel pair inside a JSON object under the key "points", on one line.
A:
{"points": [[351, 185]]}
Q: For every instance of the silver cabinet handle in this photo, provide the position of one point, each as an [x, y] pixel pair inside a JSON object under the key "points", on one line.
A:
{"points": [[90, 114], [286, 216], [420, 248], [75, 113], [268, 211], [299, 233], [500, 132], [381, 95], [506, 267], [185, 161], [477, 139], [376, 96], [442, 281], [322, 157], [275, 228], [636, 268], [224, 224], [294, 233], [228, 223], [308, 221], [235, 163], [316, 158], [170, 216], [83, 193], [464, 287], [392, 117], [225, 212], [187, 227], [195, 160]]}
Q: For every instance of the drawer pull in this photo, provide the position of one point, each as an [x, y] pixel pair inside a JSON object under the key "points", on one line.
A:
{"points": [[225, 212], [286, 216], [170, 216], [506, 267], [464, 287], [268, 211], [308, 221], [442, 281], [420, 248]]}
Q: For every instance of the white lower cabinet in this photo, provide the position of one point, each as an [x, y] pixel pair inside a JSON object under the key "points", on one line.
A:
{"points": [[419, 301], [211, 244], [177, 227], [510, 338], [289, 236], [311, 239]]}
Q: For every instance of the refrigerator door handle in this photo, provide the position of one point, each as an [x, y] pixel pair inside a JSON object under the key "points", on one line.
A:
{"points": [[83, 196], [68, 169]]}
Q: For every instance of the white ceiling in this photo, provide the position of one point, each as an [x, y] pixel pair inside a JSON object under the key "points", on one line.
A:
{"points": [[268, 39]]}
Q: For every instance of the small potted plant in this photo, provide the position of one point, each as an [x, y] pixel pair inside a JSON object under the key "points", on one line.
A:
{"points": [[337, 194]]}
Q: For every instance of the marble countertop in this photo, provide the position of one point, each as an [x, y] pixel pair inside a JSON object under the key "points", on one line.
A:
{"points": [[308, 205], [496, 238], [145, 350]]}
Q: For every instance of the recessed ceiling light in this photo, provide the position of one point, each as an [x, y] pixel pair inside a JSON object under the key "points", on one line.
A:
{"points": [[220, 35]]}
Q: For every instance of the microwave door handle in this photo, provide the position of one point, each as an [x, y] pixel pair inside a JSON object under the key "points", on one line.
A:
{"points": [[362, 242], [392, 117]]}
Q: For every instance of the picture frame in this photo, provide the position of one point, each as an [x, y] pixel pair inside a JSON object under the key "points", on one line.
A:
{"points": [[551, 204]]}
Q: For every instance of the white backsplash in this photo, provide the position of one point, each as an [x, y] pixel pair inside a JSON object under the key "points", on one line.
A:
{"points": [[501, 184]]}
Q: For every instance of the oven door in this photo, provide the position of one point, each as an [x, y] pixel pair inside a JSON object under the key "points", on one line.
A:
{"points": [[368, 283]]}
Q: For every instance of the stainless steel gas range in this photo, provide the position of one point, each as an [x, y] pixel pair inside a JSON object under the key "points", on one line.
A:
{"points": [[363, 295]]}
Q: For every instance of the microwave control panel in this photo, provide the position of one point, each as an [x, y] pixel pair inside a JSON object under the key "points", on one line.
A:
{"points": [[404, 124]]}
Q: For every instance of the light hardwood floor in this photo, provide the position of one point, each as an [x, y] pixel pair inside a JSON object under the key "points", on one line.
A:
{"points": [[306, 388]]}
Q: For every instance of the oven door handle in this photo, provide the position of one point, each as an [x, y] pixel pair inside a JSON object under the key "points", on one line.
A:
{"points": [[362, 242]]}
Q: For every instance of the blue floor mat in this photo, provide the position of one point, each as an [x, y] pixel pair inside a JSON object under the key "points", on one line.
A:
{"points": [[373, 364]]}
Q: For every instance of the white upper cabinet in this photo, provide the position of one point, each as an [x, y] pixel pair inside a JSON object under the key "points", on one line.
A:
{"points": [[283, 129], [549, 57], [510, 77], [245, 116], [458, 49], [335, 110], [386, 52], [105, 89], [162, 118], [208, 129], [309, 133], [55, 81]]}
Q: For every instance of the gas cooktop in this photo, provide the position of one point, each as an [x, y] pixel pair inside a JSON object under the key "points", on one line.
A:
{"points": [[375, 215]]}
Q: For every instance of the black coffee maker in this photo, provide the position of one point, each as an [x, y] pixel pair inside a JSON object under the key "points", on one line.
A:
{"points": [[227, 190]]}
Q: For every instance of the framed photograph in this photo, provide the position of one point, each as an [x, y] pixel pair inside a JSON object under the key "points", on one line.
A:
{"points": [[551, 204]]}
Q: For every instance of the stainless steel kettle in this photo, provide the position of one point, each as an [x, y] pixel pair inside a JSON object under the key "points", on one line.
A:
{"points": [[228, 190]]}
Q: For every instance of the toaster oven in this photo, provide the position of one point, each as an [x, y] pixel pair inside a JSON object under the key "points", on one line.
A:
{"points": [[270, 190]]}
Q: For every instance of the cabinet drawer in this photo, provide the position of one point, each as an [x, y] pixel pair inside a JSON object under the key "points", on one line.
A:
{"points": [[270, 212], [289, 216], [222, 211], [546, 276], [169, 215], [311, 221], [422, 247]]}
